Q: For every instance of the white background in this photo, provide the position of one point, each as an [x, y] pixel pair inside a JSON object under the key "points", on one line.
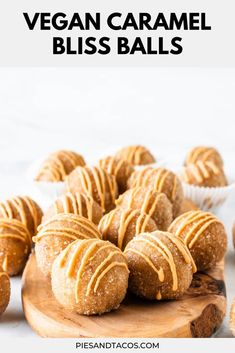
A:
{"points": [[95, 111]]}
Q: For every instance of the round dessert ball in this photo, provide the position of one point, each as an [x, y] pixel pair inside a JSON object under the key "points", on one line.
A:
{"points": [[203, 174], [188, 205], [24, 209], [58, 165], [79, 204], [160, 265], [153, 203], [232, 318], [204, 235], [90, 277], [5, 290], [204, 154], [161, 180], [118, 167], [95, 182], [136, 155], [120, 226], [56, 234], [15, 245]]}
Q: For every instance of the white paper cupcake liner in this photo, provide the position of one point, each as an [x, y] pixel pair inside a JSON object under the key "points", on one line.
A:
{"points": [[48, 190], [206, 198]]}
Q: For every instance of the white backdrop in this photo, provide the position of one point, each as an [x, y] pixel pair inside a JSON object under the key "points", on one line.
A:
{"points": [[95, 111]]}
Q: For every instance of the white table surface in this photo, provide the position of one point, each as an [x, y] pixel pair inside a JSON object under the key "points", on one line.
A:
{"points": [[94, 111]]}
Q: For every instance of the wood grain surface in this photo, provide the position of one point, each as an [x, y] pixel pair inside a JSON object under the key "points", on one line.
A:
{"points": [[199, 313]]}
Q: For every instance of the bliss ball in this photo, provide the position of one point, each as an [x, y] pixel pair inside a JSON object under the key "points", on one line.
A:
{"points": [[95, 182], [58, 165], [24, 209], [204, 174], [161, 267], [120, 168], [15, 245], [78, 204], [90, 277], [136, 155], [161, 180], [56, 234], [5, 290], [204, 154], [204, 235], [120, 226], [149, 201]]}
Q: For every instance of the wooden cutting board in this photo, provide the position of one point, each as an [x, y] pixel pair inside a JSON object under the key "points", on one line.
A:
{"points": [[199, 313]]}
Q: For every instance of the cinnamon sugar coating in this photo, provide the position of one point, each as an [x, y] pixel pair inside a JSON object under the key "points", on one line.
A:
{"points": [[204, 235], [95, 182], [5, 290], [56, 234], [160, 265], [121, 225], [15, 245], [153, 203], [204, 154], [58, 165], [24, 209], [161, 180], [90, 277], [120, 168], [78, 204], [136, 155], [204, 174]]}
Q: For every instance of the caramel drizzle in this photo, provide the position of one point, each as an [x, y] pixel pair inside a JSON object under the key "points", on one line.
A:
{"points": [[202, 221], [76, 203], [159, 272], [159, 295], [101, 179], [103, 269], [112, 164], [205, 153], [65, 232], [127, 216], [142, 178], [75, 220], [166, 254], [148, 206], [133, 154], [22, 232], [19, 203], [54, 165], [69, 230], [133, 193], [5, 264], [163, 249], [90, 253], [200, 171]]}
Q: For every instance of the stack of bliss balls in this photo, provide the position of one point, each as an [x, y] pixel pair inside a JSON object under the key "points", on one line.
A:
{"points": [[117, 227]]}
